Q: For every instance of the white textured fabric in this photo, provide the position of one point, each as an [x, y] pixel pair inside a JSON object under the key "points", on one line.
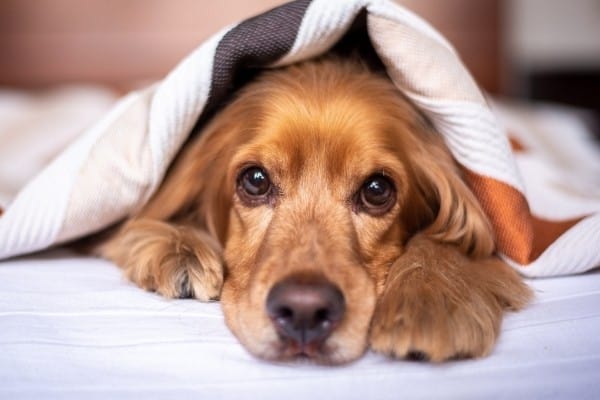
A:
{"points": [[561, 180], [73, 328], [19, 134], [36, 215], [581, 255], [562, 176], [178, 101], [323, 24], [475, 138]]}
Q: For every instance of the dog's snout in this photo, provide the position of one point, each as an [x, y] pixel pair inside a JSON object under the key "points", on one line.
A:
{"points": [[305, 311]]}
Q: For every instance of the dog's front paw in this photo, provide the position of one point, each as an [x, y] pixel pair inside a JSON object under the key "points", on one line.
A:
{"points": [[429, 318], [439, 305], [176, 262]]}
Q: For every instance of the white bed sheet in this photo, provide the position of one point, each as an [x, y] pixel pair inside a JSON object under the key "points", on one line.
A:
{"points": [[72, 327]]}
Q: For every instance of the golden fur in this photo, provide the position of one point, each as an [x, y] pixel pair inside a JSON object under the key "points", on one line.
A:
{"points": [[419, 278]]}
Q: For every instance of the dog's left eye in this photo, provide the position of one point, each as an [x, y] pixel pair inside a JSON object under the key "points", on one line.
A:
{"points": [[377, 195], [254, 184]]}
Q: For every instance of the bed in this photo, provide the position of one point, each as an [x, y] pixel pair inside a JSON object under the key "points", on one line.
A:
{"points": [[72, 327]]}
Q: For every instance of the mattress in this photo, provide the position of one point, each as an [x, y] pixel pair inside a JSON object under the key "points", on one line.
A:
{"points": [[72, 327]]}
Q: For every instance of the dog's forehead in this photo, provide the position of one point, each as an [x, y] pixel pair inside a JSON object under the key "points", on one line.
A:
{"points": [[324, 129], [335, 159], [328, 120]]}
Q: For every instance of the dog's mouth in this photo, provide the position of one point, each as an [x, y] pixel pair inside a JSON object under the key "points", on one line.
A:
{"points": [[291, 350]]}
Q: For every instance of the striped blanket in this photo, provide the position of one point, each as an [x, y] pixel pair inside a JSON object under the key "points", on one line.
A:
{"points": [[112, 170]]}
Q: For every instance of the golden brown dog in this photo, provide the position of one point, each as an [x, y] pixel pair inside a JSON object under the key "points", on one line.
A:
{"points": [[328, 216]]}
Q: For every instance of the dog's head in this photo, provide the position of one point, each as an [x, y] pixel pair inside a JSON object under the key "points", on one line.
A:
{"points": [[313, 179]]}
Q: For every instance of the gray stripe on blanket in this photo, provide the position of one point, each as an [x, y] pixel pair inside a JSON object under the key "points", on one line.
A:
{"points": [[253, 43]]}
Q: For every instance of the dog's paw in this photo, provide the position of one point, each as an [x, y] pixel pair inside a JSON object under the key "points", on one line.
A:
{"points": [[439, 305], [426, 318], [176, 262]]}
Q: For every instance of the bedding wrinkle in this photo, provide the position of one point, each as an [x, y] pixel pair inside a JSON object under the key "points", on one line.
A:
{"points": [[563, 321]]}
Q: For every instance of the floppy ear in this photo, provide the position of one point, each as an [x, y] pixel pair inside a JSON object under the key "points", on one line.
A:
{"points": [[174, 245], [196, 189], [440, 203]]}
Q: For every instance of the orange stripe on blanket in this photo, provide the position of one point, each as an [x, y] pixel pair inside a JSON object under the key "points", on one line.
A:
{"points": [[516, 145], [520, 235]]}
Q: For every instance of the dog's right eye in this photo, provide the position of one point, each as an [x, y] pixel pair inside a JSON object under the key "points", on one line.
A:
{"points": [[254, 185], [377, 195]]}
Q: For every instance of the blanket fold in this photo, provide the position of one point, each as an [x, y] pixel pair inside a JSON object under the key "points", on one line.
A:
{"points": [[112, 170]]}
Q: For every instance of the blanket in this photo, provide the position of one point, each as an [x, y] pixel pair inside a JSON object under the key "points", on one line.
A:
{"points": [[111, 170]]}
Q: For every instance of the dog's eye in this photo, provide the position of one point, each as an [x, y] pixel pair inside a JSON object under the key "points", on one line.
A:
{"points": [[254, 183], [377, 194]]}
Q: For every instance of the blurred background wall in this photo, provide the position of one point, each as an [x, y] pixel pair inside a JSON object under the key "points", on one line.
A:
{"points": [[544, 49], [119, 41], [553, 47], [553, 33]]}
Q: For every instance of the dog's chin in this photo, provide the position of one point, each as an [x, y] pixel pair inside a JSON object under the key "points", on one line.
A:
{"points": [[325, 353]]}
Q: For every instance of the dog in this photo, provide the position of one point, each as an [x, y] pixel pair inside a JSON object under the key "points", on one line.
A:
{"points": [[329, 217]]}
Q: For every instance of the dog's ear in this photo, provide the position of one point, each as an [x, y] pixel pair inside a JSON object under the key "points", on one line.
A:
{"points": [[441, 205], [196, 189]]}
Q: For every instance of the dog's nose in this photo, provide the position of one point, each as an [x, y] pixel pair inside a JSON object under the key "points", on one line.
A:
{"points": [[305, 311]]}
